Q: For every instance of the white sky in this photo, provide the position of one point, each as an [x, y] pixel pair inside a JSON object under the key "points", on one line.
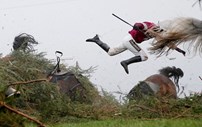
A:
{"points": [[64, 25]]}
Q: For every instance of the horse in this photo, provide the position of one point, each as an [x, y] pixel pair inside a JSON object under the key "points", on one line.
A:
{"points": [[180, 30], [68, 82], [164, 84]]}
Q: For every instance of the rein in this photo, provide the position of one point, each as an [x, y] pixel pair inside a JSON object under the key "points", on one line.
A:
{"points": [[57, 66]]}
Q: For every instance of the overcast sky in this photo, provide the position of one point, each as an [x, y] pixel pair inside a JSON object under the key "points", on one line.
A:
{"points": [[64, 25]]}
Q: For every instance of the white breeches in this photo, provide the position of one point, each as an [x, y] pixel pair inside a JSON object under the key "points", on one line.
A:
{"points": [[128, 44]]}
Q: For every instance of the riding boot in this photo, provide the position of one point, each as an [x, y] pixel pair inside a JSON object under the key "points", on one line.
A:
{"points": [[97, 40], [125, 63]]}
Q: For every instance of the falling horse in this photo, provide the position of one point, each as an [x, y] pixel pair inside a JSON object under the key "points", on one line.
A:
{"points": [[158, 84]]}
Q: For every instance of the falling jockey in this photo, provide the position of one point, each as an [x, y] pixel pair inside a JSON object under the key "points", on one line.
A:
{"points": [[130, 42], [135, 36]]}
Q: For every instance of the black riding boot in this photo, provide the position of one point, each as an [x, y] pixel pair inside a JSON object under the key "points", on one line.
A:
{"points": [[125, 63], [97, 40]]}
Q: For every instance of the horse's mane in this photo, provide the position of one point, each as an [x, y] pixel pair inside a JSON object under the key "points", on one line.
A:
{"points": [[178, 31], [172, 72]]}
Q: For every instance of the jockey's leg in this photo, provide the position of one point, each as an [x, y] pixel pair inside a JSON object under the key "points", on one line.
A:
{"points": [[140, 55], [111, 51], [125, 63], [97, 40]]}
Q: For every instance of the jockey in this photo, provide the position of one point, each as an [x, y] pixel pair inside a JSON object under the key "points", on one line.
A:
{"points": [[130, 42]]}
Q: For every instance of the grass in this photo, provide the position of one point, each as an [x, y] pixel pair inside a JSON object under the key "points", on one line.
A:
{"points": [[134, 123]]}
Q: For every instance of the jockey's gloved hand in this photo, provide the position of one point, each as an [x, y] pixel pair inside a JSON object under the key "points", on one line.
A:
{"points": [[136, 27]]}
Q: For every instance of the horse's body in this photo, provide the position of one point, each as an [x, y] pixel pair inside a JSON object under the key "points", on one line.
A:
{"points": [[158, 84], [161, 85], [68, 84]]}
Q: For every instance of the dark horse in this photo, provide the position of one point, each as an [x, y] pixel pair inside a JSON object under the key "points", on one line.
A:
{"points": [[73, 83], [68, 82], [162, 84]]}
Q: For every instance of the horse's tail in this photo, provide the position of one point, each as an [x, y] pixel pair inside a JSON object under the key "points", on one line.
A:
{"points": [[177, 31], [172, 72]]}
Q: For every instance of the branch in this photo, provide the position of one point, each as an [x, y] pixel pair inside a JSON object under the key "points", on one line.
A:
{"points": [[182, 114], [22, 114], [27, 82], [144, 107]]}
